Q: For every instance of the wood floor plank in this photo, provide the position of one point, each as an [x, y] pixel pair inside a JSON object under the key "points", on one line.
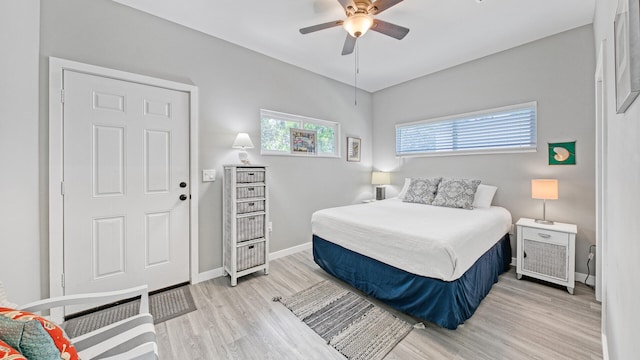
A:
{"points": [[519, 319]]}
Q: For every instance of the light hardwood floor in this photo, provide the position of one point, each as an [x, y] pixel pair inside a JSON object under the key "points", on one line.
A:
{"points": [[519, 319]]}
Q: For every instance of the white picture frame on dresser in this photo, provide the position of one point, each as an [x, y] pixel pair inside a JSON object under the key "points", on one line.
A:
{"points": [[245, 220], [546, 252]]}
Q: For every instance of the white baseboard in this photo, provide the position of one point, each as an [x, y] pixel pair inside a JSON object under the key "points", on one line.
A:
{"points": [[215, 273], [289, 251], [578, 276], [208, 275], [605, 347]]}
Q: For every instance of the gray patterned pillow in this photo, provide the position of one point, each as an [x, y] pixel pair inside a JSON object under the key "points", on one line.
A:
{"points": [[456, 193], [422, 190]]}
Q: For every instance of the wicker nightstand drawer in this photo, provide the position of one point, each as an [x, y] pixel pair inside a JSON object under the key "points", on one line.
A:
{"points": [[250, 206], [250, 256], [249, 192], [548, 236], [250, 176]]}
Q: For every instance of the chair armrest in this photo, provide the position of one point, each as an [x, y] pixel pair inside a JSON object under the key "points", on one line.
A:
{"points": [[91, 298]]}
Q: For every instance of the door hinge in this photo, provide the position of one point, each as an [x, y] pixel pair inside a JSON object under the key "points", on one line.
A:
{"points": [[62, 188], [62, 280], [62, 96]]}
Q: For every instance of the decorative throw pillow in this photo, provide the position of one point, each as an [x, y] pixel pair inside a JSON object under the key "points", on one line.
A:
{"points": [[9, 353], [422, 190], [456, 193], [34, 336], [484, 196]]}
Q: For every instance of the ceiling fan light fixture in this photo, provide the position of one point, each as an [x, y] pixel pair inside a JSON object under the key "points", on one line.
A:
{"points": [[358, 24]]}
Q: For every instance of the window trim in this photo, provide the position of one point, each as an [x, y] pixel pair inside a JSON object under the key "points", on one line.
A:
{"points": [[302, 120], [524, 149]]}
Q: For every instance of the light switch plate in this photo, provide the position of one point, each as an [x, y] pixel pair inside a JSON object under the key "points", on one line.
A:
{"points": [[208, 175]]}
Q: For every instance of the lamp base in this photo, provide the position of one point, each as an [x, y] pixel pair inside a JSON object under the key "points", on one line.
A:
{"points": [[545, 222], [380, 192], [244, 157]]}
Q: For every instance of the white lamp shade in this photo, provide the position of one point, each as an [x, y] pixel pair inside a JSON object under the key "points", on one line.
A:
{"points": [[243, 141], [545, 189], [380, 178]]}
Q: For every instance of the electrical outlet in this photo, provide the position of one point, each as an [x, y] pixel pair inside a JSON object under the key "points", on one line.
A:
{"points": [[270, 226], [591, 255]]}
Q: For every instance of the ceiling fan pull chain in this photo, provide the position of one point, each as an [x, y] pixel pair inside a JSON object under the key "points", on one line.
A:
{"points": [[355, 76]]}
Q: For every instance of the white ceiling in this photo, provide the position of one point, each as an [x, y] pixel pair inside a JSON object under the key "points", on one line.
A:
{"points": [[444, 33]]}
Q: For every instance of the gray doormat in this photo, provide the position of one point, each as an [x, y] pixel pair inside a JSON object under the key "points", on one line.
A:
{"points": [[358, 329], [163, 306]]}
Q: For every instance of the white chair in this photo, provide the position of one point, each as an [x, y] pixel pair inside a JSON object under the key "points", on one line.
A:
{"points": [[131, 338]]}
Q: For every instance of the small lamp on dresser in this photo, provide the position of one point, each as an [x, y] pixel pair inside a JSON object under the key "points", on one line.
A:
{"points": [[243, 142], [544, 189], [380, 179]]}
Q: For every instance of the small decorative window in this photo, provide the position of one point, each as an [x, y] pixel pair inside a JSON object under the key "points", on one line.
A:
{"points": [[275, 133], [501, 130]]}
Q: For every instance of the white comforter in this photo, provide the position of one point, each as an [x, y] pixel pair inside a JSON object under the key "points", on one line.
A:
{"points": [[431, 241]]}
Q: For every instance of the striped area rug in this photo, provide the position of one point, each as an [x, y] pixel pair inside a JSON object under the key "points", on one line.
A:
{"points": [[358, 329], [163, 305]]}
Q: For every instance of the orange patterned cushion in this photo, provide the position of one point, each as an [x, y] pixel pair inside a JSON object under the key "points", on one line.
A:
{"points": [[34, 336], [9, 353]]}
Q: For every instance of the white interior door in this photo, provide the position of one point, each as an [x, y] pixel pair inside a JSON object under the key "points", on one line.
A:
{"points": [[126, 191]]}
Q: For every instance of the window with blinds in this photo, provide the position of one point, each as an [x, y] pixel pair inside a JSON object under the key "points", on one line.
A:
{"points": [[505, 129]]}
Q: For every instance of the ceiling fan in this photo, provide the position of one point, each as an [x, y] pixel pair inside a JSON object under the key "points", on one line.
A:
{"points": [[360, 19]]}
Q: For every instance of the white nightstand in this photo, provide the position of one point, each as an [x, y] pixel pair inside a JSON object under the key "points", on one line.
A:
{"points": [[547, 252]]}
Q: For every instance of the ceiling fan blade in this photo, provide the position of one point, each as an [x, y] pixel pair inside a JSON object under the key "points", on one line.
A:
{"points": [[389, 29], [349, 45], [382, 5], [321, 26], [348, 3]]}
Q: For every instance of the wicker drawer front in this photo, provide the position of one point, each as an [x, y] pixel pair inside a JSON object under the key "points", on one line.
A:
{"points": [[249, 228], [248, 192], [549, 236], [250, 256], [250, 176], [250, 206], [545, 258]]}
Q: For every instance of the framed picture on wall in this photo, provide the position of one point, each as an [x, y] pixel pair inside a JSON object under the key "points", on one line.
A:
{"points": [[303, 142], [353, 149], [627, 53]]}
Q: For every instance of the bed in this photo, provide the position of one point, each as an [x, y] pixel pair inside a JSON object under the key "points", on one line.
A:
{"points": [[435, 263]]}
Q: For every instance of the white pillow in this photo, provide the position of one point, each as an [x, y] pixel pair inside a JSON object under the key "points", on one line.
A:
{"points": [[484, 196], [403, 191]]}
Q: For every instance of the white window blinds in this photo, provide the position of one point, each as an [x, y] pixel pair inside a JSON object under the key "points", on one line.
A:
{"points": [[505, 129]]}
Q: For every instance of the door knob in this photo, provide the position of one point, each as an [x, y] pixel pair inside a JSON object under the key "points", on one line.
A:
{"points": [[183, 184], [183, 197]]}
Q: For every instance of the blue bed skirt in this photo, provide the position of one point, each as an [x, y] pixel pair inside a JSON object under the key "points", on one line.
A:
{"points": [[445, 303]]}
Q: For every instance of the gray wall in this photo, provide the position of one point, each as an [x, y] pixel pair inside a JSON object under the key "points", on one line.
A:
{"points": [[234, 84], [621, 314], [19, 134], [557, 72]]}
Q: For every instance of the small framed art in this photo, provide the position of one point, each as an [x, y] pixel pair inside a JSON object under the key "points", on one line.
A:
{"points": [[562, 153], [303, 142], [627, 53], [353, 149]]}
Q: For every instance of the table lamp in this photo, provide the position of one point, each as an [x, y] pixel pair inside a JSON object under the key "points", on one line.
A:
{"points": [[242, 142], [380, 179], [545, 189]]}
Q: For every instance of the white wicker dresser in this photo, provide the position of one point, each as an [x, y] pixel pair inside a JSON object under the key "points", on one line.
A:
{"points": [[245, 220], [547, 252]]}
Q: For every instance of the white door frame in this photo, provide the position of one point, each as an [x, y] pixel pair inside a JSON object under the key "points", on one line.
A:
{"points": [[56, 209], [601, 184]]}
